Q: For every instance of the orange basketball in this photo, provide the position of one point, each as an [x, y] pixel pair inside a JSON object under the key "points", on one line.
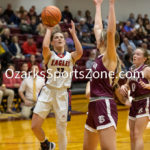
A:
{"points": [[51, 15]]}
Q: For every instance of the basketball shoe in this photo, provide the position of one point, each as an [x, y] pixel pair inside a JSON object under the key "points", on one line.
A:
{"points": [[47, 145]]}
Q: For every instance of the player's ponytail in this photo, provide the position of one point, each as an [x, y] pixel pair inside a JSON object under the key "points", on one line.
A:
{"points": [[103, 38], [147, 62], [146, 55]]}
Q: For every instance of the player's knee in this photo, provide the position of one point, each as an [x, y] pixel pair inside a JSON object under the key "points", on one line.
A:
{"points": [[61, 128], [136, 134], [35, 126], [132, 135]]}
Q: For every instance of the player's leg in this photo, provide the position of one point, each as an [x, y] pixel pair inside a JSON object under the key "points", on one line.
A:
{"points": [[40, 113], [61, 128], [37, 122], [132, 126], [140, 126], [91, 140], [108, 138], [60, 106]]}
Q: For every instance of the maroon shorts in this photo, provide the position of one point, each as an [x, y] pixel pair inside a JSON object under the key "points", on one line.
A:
{"points": [[101, 114], [140, 108]]}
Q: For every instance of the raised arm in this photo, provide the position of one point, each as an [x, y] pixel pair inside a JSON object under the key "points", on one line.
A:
{"points": [[79, 51], [111, 55], [98, 26], [46, 44]]}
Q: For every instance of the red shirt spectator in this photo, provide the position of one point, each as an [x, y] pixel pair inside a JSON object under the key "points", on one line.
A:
{"points": [[29, 47], [11, 79]]}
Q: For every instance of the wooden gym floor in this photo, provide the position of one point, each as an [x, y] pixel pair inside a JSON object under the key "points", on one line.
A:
{"points": [[17, 135]]}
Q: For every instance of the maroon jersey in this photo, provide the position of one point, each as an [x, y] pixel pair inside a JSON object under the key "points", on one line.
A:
{"points": [[100, 86], [136, 88]]}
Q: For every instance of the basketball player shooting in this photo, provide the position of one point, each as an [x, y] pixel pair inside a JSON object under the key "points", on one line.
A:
{"points": [[54, 94]]}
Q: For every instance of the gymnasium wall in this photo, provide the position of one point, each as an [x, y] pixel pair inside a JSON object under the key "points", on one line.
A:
{"points": [[123, 7], [27, 4]]}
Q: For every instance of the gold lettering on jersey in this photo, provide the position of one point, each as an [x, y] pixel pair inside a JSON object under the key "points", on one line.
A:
{"points": [[60, 63]]}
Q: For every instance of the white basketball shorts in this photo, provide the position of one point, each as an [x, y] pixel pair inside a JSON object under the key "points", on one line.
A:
{"points": [[56, 99]]}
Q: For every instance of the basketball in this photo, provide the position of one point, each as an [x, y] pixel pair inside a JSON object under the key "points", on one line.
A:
{"points": [[51, 15]]}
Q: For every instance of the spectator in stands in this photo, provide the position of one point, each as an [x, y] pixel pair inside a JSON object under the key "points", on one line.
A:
{"points": [[1, 27], [126, 43], [138, 24], [139, 17], [26, 17], [89, 20], [127, 61], [1, 14], [5, 55], [84, 34], [11, 79], [128, 27], [33, 25], [130, 50], [105, 22], [32, 62], [78, 16], [145, 19], [21, 10], [41, 30], [6, 36], [29, 47], [145, 46], [6, 92], [31, 86], [15, 19], [32, 12], [132, 19], [42, 67], [66, 14], [24, 70], [69, 41], [91, 60], [15, 48], [88, 16], [3, 47], [147, 28], [8, 13], [24, 26], [141, 33]]}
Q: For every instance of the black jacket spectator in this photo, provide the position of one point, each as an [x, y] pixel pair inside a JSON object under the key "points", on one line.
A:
{"points": [[66, 14]]}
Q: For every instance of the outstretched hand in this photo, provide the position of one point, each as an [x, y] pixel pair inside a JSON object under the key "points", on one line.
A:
{"points": [[49, 28], [98, 2], [72, 29]]}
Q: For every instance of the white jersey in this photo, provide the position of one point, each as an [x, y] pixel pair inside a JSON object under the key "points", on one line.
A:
{"points": [[60, 70]]}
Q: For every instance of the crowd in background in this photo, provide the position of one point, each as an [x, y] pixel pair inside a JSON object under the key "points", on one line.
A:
{"points": [[22, 31]]}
